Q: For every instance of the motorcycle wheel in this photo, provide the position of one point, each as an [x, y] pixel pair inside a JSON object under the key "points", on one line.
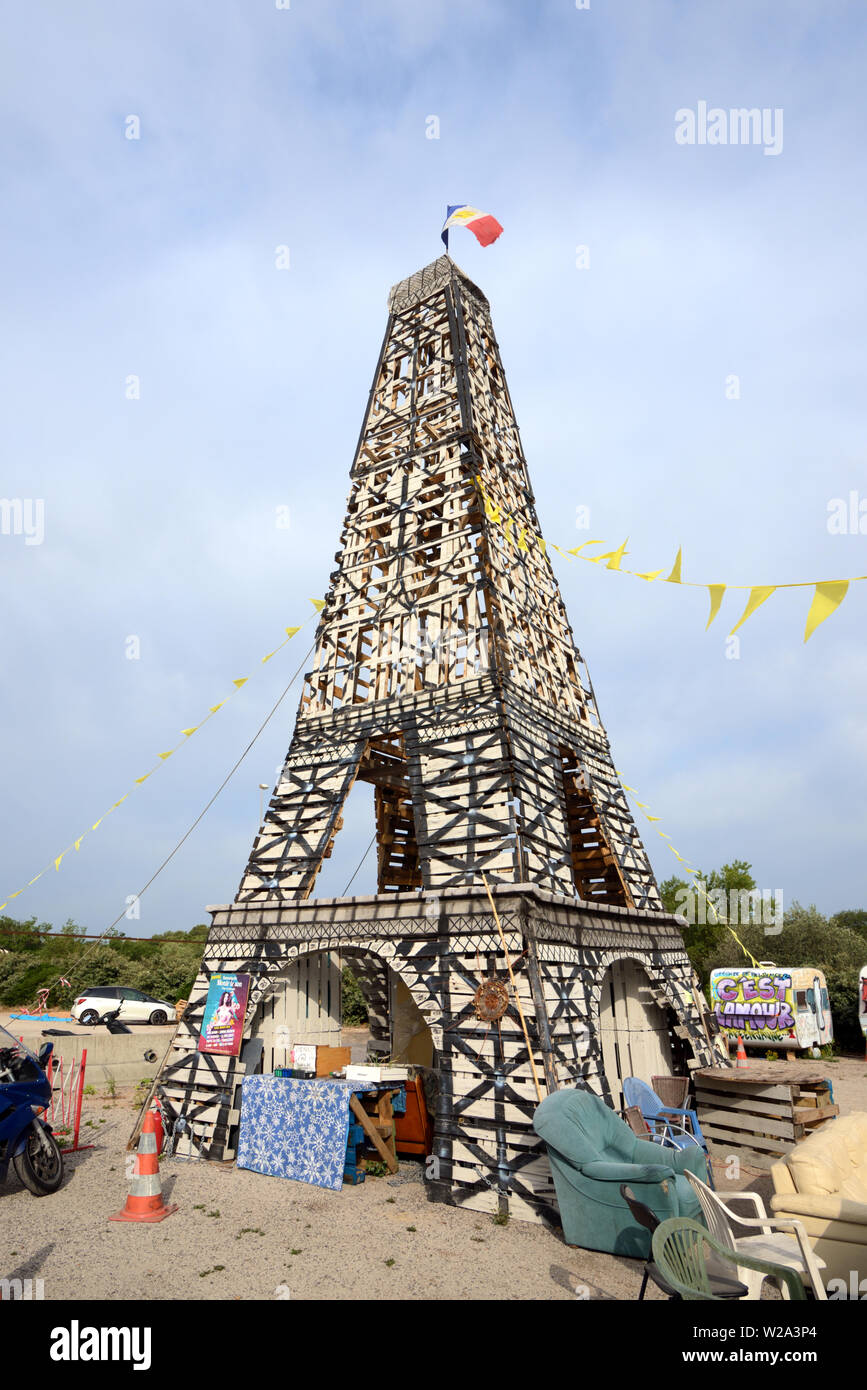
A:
{"points": [[40, 1171]]}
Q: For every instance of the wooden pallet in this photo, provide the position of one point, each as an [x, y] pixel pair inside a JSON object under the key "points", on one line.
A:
{"points": [[761, 1112]]}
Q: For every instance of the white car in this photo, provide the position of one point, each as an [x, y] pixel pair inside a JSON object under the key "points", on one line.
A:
{"points": [[134, 1006]]}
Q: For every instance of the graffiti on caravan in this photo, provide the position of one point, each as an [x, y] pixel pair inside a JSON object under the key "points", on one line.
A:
{"points": [[750, 1002]]}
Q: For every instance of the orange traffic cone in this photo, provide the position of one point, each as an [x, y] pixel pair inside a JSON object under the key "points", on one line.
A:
{"points": [[158, 1125], [742, 1053], [145, 1200]]}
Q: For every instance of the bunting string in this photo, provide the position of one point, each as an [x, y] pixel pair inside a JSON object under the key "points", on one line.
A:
{"points": [[828, 594], [76, 971], [238, 683], [688, 868], [161, 759]]}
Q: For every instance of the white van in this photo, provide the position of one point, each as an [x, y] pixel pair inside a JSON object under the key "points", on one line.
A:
{"points": [[773, 1006]]}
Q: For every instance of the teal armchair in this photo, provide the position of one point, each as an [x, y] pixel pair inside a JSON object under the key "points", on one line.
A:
{"points": [[591, 1152]]}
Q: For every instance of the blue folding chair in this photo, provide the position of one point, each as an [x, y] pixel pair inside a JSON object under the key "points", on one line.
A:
{"points": [[678, 1128]]}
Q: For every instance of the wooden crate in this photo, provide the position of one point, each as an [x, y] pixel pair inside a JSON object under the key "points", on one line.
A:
{"points": [[761, 1112]]}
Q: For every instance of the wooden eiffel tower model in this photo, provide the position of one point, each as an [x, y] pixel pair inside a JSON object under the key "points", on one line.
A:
{"points": [[445, 674]]}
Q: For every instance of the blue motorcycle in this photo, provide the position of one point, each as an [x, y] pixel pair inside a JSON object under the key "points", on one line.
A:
{"points": [[25, 1136]]}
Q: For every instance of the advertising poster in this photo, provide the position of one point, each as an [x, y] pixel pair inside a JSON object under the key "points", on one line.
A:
{"points": [[225, 1007]]}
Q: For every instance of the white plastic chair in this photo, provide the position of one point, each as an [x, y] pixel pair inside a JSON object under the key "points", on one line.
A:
{"points": [[791, 1247]]}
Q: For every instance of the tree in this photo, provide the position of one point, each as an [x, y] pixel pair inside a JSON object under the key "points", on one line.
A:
{"points": [[354, 1004], [166, 965], [706, 903], [71, 928], [196, 933], [22, 936], [853, 918]]}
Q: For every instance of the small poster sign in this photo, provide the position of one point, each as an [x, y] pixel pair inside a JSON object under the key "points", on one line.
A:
{"points": [[223, 1021], [304, 1057]]}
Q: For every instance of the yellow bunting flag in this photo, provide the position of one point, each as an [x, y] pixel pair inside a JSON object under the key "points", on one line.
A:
{"points": [[93, 827], [16, 895], [39, 875], [613, 557], [57, 861], [828, 594], [291, 631], [318, 604], [242, 680], [122, 800], [139, 780], [827, 598], [78, 841], [163, 756], [755, 600], [187, 732], [214, 708], [649, 817], [674, 577], [716, 592]]}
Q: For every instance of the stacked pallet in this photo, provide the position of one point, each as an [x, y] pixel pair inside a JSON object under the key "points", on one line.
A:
{"points": [[761, 1112]]}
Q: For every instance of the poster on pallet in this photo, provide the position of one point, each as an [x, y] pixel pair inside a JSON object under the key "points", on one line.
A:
{"points": [[223, 1020]]}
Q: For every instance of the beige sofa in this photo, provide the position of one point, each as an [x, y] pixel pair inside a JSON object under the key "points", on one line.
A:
{"points": [[823, 1183]]}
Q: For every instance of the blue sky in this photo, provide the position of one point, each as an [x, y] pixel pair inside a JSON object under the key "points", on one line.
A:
{"points": [[306, 127]]}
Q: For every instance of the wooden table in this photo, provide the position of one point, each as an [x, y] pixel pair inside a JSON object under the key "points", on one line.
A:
{"points": [[761, 1111], [379, 1128]]}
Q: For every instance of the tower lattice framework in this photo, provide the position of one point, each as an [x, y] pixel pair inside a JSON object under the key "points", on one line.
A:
{"points": [[445, 670], [445, 674]]}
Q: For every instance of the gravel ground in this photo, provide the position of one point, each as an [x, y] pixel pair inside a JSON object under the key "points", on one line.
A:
{"points": [[239, 1235]]}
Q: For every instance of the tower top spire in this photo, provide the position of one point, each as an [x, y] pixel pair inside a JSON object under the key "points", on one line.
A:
{"points": [[429, 281]]}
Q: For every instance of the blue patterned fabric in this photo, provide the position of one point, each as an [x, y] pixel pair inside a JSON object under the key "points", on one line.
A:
{"points": [[296, 1129]]}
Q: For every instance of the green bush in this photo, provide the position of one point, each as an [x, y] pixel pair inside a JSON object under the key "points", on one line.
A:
{"points": [[354, 1007]]}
